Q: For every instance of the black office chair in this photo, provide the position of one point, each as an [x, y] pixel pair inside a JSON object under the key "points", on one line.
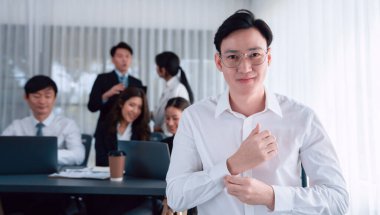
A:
{"points": [[75, 204], [87, 141], [157, 136]]}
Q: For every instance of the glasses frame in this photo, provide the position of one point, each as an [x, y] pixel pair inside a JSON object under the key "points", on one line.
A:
{"points": [[241, 55]]}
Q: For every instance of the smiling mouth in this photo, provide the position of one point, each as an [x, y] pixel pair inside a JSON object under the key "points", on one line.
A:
{"points": [[245, 79]]}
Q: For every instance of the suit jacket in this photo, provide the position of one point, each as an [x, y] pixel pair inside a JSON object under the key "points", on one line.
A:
{"points": [[103, 83], [106, 141]]}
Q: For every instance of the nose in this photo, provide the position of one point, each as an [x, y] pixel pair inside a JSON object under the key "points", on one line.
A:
{"points": [[41, 100], [245, 65], [136, 110], [170, 122]]}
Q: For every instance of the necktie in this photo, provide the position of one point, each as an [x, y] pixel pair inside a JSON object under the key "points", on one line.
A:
{"points": [[39, 127], [122, 79]]}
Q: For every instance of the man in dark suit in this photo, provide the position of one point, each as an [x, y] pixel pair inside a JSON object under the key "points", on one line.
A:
{"points": [[108, 86]]}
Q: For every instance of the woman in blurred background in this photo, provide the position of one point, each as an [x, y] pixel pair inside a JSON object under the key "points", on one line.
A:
{"points": [[168, 66], [128, 120], [173, 113]]}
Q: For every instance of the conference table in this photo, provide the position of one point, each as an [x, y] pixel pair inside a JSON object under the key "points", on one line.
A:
{"points": [[41, 183]]}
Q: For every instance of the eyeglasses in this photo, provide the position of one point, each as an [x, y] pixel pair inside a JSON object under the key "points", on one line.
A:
{"points": [[233, 59]]}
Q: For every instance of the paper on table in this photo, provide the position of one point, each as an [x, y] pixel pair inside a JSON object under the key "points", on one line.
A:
{"points": [[91, 173]]}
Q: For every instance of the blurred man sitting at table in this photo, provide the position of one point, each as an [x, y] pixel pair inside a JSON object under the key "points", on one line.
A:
{"points": [[40, 95]]}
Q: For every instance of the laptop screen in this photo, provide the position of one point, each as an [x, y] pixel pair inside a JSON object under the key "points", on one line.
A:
{"points": [[28, 154], [145, 159]]}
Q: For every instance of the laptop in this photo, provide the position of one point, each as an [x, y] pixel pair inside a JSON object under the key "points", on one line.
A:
{"points": [[28, 155], [145, 159]]}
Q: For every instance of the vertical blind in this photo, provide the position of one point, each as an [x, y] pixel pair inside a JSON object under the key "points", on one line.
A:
{"points": [[71, 44]]}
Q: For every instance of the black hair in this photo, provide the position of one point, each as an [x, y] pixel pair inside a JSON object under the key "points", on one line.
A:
{"points": [[242, 19], [177, 102], [121, 45], [39, 82], [140, 127], [171, 63]]}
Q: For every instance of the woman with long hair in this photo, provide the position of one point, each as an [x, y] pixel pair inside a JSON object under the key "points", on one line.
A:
{"points": [[177, 85], [128, 120]]}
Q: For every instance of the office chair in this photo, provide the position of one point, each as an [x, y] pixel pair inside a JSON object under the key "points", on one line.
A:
{"points": [[87, 141], [75, 203]]}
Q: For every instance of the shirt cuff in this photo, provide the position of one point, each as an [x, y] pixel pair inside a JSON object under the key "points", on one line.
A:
{"points": [[283, 199], [218, 172]]}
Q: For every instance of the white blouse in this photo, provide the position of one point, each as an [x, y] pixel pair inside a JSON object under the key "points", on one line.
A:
{"points": [[126, 135], [174, 88]]}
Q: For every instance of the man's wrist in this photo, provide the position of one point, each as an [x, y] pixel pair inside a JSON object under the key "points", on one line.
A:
{"points": [[271, 200], [231, 166]]}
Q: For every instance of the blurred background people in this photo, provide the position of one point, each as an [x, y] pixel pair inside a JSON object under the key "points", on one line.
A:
{"points": [[108, 86], [168, 67], [173, 113], [128, 120], [40, 95]]}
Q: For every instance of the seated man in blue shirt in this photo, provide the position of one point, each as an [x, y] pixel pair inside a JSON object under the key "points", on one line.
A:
{"points": [[40, 95]]}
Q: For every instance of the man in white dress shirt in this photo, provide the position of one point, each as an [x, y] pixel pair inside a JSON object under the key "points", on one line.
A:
{"points": [[241, 152], [40, 94]]}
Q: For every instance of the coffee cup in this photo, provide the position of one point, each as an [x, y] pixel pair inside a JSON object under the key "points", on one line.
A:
{"points": [[116, 160]]}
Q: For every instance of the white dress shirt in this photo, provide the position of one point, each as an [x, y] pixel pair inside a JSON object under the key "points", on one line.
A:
{"points": [[209, 132], [127, 134], [174, 88], [70, 148]]}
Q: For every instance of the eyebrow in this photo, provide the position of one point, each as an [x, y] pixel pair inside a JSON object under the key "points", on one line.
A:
{"points": [[236, 51]]}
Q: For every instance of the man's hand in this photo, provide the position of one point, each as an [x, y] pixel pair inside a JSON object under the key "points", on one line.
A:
{"points": [[257, 148], [250, 191], [116, 89]]}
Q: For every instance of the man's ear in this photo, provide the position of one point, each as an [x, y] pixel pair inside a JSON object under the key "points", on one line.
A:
{"points": [[269, 56], [218, 61], [26, 97]]}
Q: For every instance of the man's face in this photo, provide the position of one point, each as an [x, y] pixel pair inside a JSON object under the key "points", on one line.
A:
{"points": [[245, 78], [122, 59], [41, 102]]}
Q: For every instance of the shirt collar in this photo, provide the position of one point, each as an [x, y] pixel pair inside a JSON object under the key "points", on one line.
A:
{"points": [[172, 82], [47, 121], [271, 103], [119, 74], [223, 103]]}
